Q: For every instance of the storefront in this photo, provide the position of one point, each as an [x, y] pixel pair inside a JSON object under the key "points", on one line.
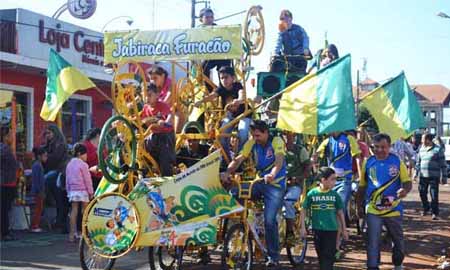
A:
{"points": [[26, 38]]}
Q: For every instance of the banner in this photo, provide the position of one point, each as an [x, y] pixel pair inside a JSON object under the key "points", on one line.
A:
{"points": [[184, 209], [218, 42]]}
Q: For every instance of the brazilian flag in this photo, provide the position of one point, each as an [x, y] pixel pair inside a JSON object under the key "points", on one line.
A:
{"points": [[62, 81], [320, 103]]}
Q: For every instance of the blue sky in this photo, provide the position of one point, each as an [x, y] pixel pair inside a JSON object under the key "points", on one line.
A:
{"points": [[393, 35]]}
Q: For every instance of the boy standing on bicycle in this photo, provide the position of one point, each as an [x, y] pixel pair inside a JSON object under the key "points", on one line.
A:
{"points": [[327, 215]]}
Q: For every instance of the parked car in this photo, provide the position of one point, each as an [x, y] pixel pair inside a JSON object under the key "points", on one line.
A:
{"points": [[446, 141]]}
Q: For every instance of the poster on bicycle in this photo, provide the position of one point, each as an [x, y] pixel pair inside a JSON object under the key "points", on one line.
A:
{"points": [[218, 42], [185, 208]]}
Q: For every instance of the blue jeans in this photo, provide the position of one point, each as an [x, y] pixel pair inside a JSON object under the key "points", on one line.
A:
{"points": [[243, 129], [394, 227], [290, 198], [273, 200], [344, 189]]}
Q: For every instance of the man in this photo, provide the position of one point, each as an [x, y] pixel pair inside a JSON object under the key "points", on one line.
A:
{"points": [[207, 19], [268, 154], [193, 151], [430, 167], [340, 149], [161, 142], [384, 182], [404, 151], [293, 43], [298, 168], [232, 96]]}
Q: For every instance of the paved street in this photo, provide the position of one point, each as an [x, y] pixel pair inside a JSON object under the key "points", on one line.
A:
{"points": [[425, 239]]}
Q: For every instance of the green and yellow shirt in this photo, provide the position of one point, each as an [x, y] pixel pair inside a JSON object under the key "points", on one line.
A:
{"points": [[324, 206]]}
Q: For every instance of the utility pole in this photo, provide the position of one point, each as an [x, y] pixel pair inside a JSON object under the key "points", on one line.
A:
{"points": [[193, 14]]}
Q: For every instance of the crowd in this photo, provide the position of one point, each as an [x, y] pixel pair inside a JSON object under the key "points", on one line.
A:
{"points": [[385, 170]]}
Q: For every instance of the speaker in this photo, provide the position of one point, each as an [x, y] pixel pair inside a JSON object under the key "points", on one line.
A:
{"points": [[271, 83]]}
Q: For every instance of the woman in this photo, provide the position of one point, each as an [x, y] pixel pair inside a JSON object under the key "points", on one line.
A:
{"points": [[57, 152], [8, 168], [91, 143], [160, 78], [329, 55]]}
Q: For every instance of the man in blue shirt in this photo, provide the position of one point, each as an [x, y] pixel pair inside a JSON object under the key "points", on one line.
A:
{"points": [[268, 153], [292, 44], [383, 184]]}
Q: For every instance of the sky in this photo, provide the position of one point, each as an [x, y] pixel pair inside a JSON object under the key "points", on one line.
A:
{"points": [[393, 35]]}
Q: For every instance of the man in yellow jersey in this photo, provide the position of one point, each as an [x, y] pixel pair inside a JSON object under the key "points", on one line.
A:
{"points": [[384, 182], [268, 153]]}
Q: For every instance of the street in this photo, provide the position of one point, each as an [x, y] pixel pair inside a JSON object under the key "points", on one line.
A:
{"points": [[424, 241]]}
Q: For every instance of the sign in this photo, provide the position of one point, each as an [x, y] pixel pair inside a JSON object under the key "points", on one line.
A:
{"points": [[81, 47], [183, 210], [112, 224], [174, 45], [82, 9]]}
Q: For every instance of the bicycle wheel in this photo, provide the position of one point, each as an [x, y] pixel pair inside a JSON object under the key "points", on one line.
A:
{"points": [[296, 250], [234, 254], [166, 258], [117, 149], [90, 260]]}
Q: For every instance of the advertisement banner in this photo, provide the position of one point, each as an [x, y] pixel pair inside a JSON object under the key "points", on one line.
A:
{"points": [[206, 43], [185, 208]]}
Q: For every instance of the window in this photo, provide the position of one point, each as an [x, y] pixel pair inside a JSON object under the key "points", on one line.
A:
{"points": [[425, 113], [433, 130], [76, 118], [433, 115], [24, 114]]}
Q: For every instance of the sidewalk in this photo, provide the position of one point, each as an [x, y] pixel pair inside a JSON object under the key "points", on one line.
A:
{"points": [[424, 241]]}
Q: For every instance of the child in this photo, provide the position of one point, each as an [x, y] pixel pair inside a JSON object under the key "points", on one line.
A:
{"points": [[161, 142], [326, 215], [79, 185], [38, 186]]}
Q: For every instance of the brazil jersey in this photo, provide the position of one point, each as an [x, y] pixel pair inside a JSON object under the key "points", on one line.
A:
{"points": [[339, 153], [264, 157], [324, 206], [382, 179]]}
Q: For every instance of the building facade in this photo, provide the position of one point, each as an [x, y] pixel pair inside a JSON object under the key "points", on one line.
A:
{"points": [[26, 38]]}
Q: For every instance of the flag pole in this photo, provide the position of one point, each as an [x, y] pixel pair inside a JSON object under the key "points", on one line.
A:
{"points": [[59, 119], [103, 94]]}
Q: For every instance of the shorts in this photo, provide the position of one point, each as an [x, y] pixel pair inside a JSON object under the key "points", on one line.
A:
{"points": [[78, 196], [290, 198]]}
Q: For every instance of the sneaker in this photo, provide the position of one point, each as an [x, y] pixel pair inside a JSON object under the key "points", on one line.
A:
{"points": [[398, 267], [37, 230], [434, 217], [271, 263], [424, 213]]}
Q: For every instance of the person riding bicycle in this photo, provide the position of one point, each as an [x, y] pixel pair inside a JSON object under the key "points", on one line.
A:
{"points": [[232, 94], [269, 156], [298, 168], [161, 142], [292, 44]]}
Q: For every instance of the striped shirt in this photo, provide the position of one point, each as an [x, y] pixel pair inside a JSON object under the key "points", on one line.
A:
{"points": [[431, 162]]}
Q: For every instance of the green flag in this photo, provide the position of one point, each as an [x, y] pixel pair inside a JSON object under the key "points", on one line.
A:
{"points": [[395, 108], [62, 81], [320, 103]]}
